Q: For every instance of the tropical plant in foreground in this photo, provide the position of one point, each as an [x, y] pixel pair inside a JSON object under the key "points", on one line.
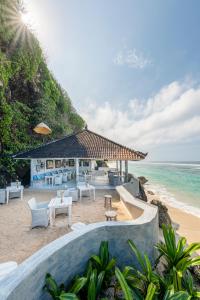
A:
{"points": [[95, 284], [171, 295], [130, 294], [99, 272], [132, 283], [59, 292], [142, 281], [103, 262], [188, 285], [177, 256]]}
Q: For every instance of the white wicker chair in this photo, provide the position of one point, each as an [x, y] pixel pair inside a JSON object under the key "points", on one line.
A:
{"points": [[73, 192], [58, 180], [15, 183], [2, 196], [64, 178], [39, 212], [15, 194]]}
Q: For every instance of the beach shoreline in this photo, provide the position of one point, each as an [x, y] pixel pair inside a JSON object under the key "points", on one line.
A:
{"points": [[188, 225]]}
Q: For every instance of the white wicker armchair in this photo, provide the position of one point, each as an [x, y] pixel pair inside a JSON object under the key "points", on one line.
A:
{"points": [[58, 180], [39, 213], [15, 193]]}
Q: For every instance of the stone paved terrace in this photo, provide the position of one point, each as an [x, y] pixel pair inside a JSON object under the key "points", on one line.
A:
{"points": [[18, 241]]}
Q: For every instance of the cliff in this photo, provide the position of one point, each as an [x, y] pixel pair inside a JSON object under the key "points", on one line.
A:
{"points": [[29, 93]]}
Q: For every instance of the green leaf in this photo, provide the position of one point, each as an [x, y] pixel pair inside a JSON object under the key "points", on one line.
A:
{"points": [[68, 296], [96, 259], [92, 286], [111, 264], [124, 286], [51, 282], [192, 248], [127, 271], [51, 286], [179, 296], [137, 254], [150, 291], [100, 279], [196, 294], [78, 285], [104, 253]]}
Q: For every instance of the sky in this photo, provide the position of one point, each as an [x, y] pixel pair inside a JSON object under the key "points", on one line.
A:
{"points": [[131, 68]]}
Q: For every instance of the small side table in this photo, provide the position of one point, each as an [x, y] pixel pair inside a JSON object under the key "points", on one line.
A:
{"points": [[108, 201], [111, 215]]}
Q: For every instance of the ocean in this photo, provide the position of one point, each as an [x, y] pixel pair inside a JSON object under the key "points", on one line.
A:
{"points": [[177, 183]]}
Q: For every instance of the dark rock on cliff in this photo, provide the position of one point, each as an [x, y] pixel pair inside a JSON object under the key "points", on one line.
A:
{"points": [[164, 217], [142, 195], [142, 180], [150, 193]]}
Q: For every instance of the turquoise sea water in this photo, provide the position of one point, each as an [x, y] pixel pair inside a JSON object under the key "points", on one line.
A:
{"points": [[177, 182]]}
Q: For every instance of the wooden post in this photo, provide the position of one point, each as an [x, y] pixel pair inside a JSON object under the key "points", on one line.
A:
{"points": [[31, 171], [117, 166], [77, 169], [126, 170]]}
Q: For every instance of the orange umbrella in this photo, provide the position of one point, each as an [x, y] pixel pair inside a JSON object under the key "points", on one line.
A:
{"points": [[42, 128]]}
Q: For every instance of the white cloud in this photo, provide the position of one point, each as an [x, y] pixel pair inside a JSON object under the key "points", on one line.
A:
{"points": [[171, 116], [131, 58]]}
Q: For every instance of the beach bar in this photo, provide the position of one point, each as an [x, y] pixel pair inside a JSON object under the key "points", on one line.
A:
{"points": [[82, 156]]}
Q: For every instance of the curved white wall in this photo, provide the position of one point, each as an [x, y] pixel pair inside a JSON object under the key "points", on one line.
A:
{"points": [[67, 256]]}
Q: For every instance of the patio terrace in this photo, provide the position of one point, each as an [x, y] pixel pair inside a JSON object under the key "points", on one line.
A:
{"points": [[18, 241]]}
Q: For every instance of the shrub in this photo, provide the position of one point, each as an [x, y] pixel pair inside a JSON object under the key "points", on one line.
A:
{"points": [[132, 283]]}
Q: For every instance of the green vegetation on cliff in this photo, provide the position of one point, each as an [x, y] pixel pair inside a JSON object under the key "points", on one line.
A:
{"points": [[29, 94]]}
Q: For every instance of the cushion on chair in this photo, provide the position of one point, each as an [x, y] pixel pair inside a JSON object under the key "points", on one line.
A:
{"points": [[32, 203], [15, 183]]}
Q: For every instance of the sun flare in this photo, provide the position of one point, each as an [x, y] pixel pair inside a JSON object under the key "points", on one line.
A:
{"points": [[27, 19]]}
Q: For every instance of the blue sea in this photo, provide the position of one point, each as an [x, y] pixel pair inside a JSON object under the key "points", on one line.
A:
{"points": [[177, 183]]}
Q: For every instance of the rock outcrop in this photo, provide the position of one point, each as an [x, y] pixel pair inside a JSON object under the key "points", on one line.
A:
{"points": [[150, 193], [142, 180], [164, 217], [142, 195], [196, 273]]}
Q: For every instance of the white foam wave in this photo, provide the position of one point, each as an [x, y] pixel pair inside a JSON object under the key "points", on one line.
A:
{"points": [[169, 199], [169, 164]]}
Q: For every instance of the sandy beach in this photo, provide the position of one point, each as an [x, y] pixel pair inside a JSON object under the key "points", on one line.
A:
{"points": [[188, 225]]}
